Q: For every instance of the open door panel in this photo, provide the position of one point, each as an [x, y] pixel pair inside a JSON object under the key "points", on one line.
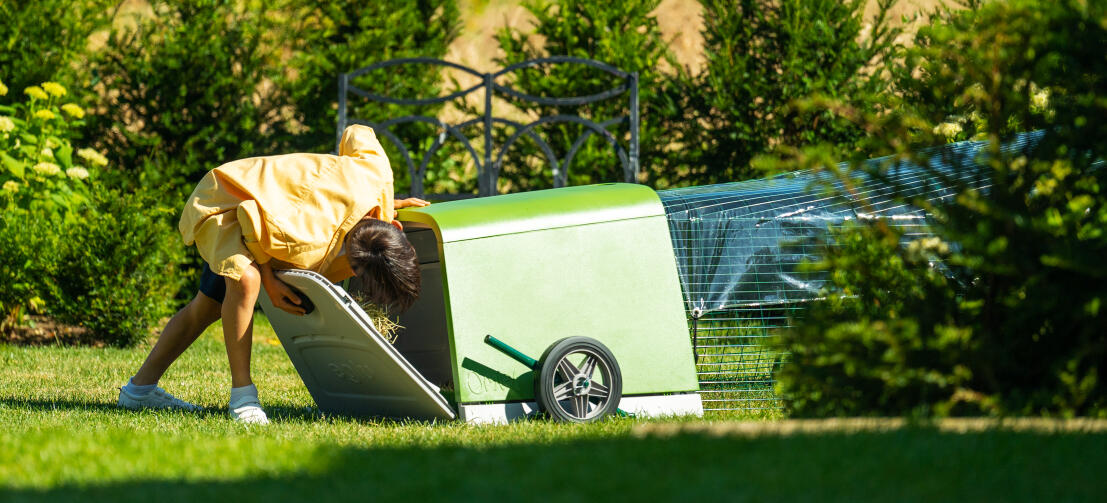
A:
{"points": [[347, 366]]}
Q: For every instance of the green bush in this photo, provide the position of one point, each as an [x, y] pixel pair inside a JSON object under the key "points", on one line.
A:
{"points": [[625, 35], [111, 270], [200, 83], [187, 84], [39, 168], [29, 245], [1025, 331], [887, 338], [46, 40], [115, 271], [330, 38], [44, 186], [764, 61]]}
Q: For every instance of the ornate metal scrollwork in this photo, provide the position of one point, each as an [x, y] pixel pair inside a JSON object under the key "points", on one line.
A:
{"points": [[489, 161]]}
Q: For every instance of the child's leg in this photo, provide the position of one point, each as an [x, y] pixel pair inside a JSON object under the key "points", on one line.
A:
{"points": [[141, 391], [238, 323], [181, 331], [238, 332]]}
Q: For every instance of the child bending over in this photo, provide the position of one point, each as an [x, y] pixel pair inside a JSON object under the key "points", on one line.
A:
{"points": [[325, 213]]}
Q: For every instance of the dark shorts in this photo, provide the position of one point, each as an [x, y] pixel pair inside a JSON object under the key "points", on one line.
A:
{"points": [[212, 285]]}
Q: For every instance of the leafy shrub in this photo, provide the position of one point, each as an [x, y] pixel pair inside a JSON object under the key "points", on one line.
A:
{"points": [[331, 38], [41, 185], [187, 84], [887, 341], [199, 83], [29, 244], [39, 166], [768, 66], [45, 40], [70, 248], [625, 35], [1024, 331], [112, 270], [116, 269]]}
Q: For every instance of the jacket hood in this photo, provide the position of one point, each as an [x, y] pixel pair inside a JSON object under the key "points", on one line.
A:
{"points": [[359, 141]]}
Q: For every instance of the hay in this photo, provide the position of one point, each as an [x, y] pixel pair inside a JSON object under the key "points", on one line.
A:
{"points": [[385, 325]]}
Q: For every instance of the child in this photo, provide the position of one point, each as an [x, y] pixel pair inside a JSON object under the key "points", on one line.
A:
{"points": [[330, 214]]}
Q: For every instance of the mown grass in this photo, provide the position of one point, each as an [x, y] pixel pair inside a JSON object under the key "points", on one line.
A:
{"points": [[62, 439]]}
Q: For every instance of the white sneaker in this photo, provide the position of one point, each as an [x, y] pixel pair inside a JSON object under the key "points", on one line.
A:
{"points": [[157, 399], [248, 411]]}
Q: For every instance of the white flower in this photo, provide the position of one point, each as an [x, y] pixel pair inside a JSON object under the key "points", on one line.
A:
{"points": [[77, 172], [930, 244], [46, 169], [948, 129], [48, 152], [1040, 99], [6, 124], [11, 187], [92, 157]]}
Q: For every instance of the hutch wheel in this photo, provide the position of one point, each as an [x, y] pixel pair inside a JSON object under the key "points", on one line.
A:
{"points": [[578, 380]]}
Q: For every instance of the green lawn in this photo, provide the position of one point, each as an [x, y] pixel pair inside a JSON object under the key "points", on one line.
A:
{"points": [[61, 439]]}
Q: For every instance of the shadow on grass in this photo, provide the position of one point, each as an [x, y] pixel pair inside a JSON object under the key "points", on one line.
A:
{"points": [[276, 412], [907, 465]]}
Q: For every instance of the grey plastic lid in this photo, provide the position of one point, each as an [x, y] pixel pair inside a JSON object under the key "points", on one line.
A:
{"points": [[345, 363]]}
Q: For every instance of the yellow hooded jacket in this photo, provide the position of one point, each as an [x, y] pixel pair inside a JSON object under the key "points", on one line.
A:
{"points": [[294, 208]]}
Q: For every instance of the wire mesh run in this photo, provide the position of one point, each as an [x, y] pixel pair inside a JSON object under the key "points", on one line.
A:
{"points": [[737, 357], [739, 249]]}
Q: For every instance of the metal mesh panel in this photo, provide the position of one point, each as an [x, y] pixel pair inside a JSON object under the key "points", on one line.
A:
{"points": [[736, 357], [739, 246]]}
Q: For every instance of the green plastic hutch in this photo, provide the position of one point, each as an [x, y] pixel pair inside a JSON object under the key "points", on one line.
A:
{"points": [[528, 269]]}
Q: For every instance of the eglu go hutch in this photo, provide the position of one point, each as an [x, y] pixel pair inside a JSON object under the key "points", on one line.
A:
{"points": [[533, 269], [584, 276], [608, 263]]}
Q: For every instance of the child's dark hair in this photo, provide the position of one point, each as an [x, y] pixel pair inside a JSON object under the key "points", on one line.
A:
{"points": [[385, 262]]}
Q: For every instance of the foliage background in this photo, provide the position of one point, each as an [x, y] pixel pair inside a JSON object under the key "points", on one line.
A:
{"points": [[1014, 322], [1014, 325], [41, 40], [182, 89], [763, 61], [627, 38]]}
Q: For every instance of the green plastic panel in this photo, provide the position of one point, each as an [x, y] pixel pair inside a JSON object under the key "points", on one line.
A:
{"points": [[537, 210], [515, 269]]}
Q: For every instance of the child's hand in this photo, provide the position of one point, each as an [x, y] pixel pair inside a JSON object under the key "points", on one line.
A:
{"points": [[411, 202], [285, 298], [282, 295]]}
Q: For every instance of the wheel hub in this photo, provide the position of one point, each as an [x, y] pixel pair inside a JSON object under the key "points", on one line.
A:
{"points": [[582, 384]]}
